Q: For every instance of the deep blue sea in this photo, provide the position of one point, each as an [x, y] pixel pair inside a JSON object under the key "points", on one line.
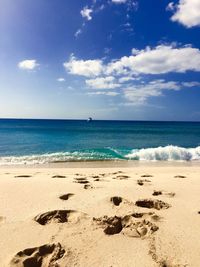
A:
{"points": [[42, 141]]}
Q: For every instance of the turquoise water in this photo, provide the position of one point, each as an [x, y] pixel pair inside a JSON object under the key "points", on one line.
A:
{"points": [[41, 141]]}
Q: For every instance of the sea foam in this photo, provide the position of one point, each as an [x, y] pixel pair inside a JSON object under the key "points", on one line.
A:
{"points": [[55, 157], [167, 153]]}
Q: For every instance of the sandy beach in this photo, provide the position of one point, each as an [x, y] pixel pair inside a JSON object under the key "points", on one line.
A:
{"points": [[144, 215]]}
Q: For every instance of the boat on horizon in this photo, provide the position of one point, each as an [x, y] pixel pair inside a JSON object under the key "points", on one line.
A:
{"points": [[89, 119]]}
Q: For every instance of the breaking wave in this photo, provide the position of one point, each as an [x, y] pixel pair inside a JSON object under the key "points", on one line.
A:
{"points": [[93, 155], [167, 153]]}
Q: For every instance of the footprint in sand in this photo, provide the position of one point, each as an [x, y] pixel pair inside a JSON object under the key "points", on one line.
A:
{"points": [[152, 204], [129, 225], [116, 200], [66, 196], [58, 176], [167, 263], [97, 180], [23, 176], [59, 216], [81, 180], [103, 174], [88, 186], [180, 176], [159, 192], [95, 176], [121, 177], [43, 256], [118, 172], [84, 181], [145, 215], [143, 182]]}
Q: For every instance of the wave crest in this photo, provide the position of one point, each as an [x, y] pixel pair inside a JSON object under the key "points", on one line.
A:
{"points": [[106, 154], [167, 153]]}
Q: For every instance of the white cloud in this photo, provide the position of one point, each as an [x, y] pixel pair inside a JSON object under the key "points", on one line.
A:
{"points": [[187, 12], [77, 33], [191, 84], [126, 79], [86, 13], [170, 7], [126, 73], [103, 93], [138, 94], [119, 1], [86, 68], [103, 83], [158, 60], [135, 51], [28, 64], [60, 79]]}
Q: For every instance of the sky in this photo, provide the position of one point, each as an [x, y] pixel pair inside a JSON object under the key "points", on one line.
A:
{"points": [[105, 59]]}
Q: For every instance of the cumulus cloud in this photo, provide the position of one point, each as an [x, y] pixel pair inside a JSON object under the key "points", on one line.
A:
{"points": [[187, 12], [86, 13], [86, 68], [28, 64], [159, 60], [119, 1], [103, 83], [60, 79], [103, 93], [191, 84], [127, 79], [128, 73], [138, 94]]}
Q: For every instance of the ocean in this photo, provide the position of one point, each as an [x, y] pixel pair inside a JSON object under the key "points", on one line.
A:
{"points": [[45, 141]]}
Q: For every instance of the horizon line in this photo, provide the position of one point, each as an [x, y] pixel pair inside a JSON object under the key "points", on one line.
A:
{"points": [[78, 119]]}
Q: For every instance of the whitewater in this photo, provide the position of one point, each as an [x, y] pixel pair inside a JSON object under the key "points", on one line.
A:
{"points": [[168, 153]]}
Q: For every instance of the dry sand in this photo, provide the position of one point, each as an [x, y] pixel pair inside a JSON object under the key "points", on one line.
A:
{"points": [[139, 216]]}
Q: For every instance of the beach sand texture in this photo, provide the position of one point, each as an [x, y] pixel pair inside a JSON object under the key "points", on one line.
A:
{"points": [[100, 217]]}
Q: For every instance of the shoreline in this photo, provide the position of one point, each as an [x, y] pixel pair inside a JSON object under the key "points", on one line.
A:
{"points": [[105, 164]]}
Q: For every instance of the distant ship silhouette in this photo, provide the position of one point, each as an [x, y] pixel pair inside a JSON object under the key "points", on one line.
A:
{"points": [[89, 119]]}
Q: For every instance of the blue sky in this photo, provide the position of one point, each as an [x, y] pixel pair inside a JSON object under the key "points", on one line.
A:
{"points": [[108, 59]]}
